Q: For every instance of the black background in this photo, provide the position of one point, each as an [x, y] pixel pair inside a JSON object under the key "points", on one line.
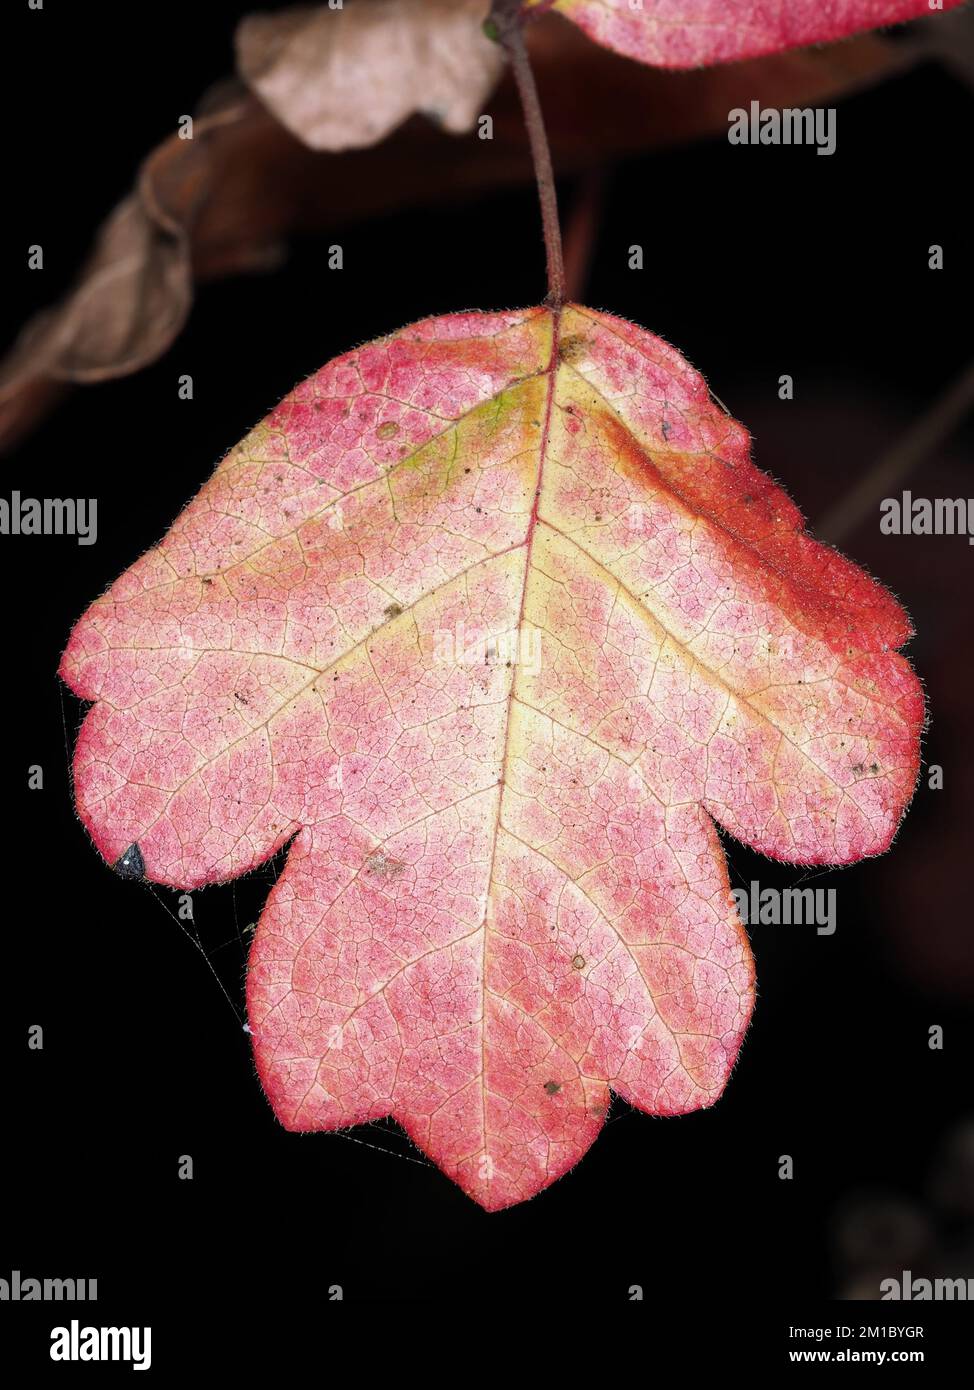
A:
{"points": [[758, 262]]}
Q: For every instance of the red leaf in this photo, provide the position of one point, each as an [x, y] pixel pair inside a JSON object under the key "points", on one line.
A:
{"points": [[692, 33], [496, 618]]}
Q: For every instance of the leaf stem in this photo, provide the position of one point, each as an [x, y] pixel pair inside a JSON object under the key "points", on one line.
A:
{"points": [[507, 20]]}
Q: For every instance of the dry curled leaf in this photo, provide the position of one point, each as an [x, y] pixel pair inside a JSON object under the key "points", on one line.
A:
{"points": [[340, 79], [495, 621], [136, 289], [691, 33], [133, 297]]}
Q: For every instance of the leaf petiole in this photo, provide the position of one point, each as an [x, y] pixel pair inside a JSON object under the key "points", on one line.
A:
{"points": [[506, 22]]}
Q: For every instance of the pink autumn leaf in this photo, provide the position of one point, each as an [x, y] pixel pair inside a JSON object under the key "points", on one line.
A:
{"points": [[497, 622], [694, 33]]}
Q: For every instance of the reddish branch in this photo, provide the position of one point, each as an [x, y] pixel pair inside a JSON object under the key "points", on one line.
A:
{"points": [[507, 20]]}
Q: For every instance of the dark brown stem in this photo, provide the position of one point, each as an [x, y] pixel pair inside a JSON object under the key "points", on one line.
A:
{"points": [[508, 24]]}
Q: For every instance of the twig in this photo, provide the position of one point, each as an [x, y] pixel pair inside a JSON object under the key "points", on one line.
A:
{"points": [[507, 23]]}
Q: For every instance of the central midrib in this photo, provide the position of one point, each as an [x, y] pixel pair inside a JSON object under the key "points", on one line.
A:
{"points": [[551, 373]]}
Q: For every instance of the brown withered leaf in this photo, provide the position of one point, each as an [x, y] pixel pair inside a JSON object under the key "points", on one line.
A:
{"points": [[341, 79], [135, 290], [134, 295], [224, 202]]}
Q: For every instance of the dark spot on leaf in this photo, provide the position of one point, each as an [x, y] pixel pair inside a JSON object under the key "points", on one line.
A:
{"points": [[552, 1087], [384, 864], [392, 610], [130, 864], [578, 962], [571, 348]]}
